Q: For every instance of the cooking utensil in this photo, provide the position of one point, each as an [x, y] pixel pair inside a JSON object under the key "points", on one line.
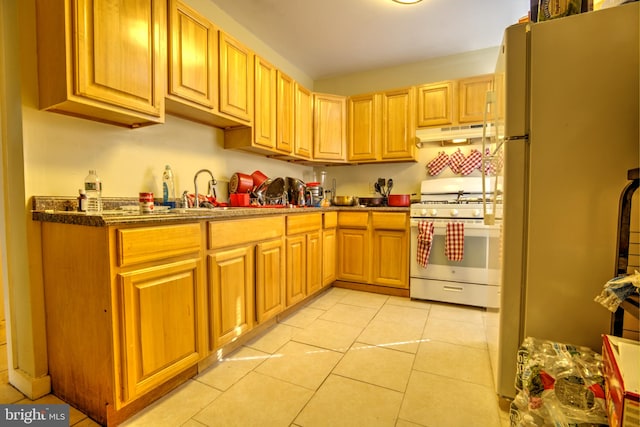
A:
{"points": [[398, 199], [344, 200], [370, 201], [376, 186], [258, 178], [389, 186], [240, 183]]}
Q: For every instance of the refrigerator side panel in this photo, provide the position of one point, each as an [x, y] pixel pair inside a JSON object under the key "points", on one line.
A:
{"points": [[512, 70], [583, 139], [514, 62]]}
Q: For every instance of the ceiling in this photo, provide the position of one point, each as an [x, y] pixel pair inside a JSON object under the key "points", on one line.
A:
{"points": [[328, 38]]}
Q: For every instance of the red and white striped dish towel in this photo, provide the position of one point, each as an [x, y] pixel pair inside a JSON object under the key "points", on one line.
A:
{"points": [[454, 241], [425, 238]]}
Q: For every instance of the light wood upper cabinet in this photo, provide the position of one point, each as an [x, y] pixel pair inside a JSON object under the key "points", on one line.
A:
{"points": [[329, 127], [103, 59], [264, 123], [435, 104], [472, 98], [303, 123], [382, 126], [236, 78], [398, 124], [365, 120], [453, 103], [193, 57], [285, 119]]}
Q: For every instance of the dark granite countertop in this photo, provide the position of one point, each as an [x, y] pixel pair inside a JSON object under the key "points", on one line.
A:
{"points": [[62, 210]]}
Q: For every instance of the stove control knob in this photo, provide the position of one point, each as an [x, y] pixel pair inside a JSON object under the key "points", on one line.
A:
{"points": [[476, 212], [433, 212], [454, 212]]}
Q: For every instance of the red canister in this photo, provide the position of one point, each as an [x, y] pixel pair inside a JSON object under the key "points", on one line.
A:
{"points": [[146, 202], [240, 183]]}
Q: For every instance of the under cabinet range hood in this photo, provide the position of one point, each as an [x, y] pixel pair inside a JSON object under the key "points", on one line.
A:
{"points": [[455, 134]]}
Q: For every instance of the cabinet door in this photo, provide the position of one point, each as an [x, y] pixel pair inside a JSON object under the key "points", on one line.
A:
{"points": [[365, 119], [296, 268], [236, 78], [193, 57], [472, 94], [92, 65], [353, 247], [285, 113], [328, 256], [270, 279], [398, 124], [159, 324], [303, 139], [264, 122], [435, 104], [314, 262], [231, 294], [390, 264], [329, 127]]}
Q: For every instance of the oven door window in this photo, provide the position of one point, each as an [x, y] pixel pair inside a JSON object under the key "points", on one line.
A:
{"points": [[475, 252]]}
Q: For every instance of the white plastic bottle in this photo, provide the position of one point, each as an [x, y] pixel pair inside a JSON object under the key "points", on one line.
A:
{"points": [[168, 188], [93, 188]]}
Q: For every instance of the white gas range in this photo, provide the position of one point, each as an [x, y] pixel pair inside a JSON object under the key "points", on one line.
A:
{"points": [[471, 277]]}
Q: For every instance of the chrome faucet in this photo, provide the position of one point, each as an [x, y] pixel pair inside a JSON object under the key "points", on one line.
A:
{"points": [[212, 182]]}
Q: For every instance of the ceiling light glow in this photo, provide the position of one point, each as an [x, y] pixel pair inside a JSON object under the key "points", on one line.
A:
{"points": [[407, 1]]}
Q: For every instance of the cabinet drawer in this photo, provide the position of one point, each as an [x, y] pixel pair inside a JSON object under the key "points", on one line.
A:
{"points": [[330, 219], [389, 221], [353, 219], [223, 234], [135, 245], [303, 223]]}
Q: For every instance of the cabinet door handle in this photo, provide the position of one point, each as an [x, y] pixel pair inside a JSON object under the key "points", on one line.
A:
{"points": [[453, 288]]}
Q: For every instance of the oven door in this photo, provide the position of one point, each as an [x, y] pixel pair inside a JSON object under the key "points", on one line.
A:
{"points": [[480, 263]]}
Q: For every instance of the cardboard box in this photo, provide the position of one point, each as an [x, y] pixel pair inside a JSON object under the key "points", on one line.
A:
{"points": [[621, 368]]}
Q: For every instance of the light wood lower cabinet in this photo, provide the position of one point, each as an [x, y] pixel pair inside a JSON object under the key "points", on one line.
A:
{"points": [[354, 241], [232, 264], [373, 248], [159, 308], [124, 310], [231, 294], [304, 256], [329, 247]]}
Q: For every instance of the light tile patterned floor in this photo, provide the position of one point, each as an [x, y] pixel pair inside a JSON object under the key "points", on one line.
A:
{"points": [[347, 358]]}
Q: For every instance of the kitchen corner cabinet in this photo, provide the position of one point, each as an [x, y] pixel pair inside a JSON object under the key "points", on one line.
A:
{"points": [[329, 247], [231, 263], [472, 98], [236, 78], [91, 65], [382, 126], [329, 127], [303, 123], [111, 292], [365, 240], [304, 256]]}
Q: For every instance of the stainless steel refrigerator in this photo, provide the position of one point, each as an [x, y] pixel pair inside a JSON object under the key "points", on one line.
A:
{"points": [[567, 110]]}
